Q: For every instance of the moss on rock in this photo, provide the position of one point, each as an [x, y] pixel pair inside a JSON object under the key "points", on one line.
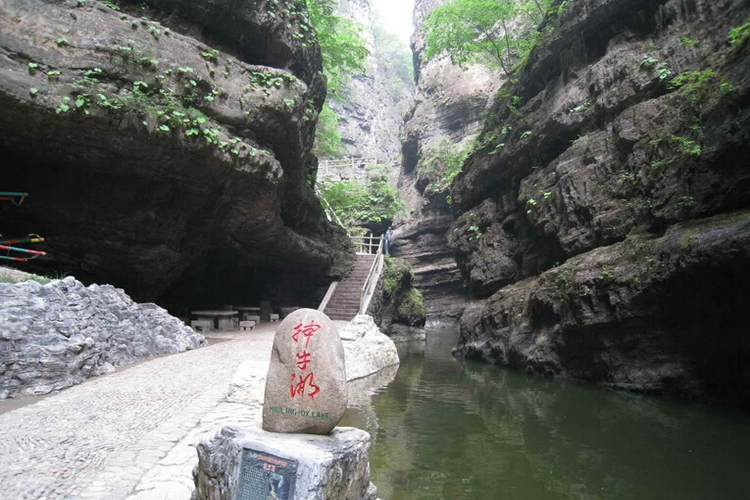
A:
{"points": [[397, 301], [411, 309]]}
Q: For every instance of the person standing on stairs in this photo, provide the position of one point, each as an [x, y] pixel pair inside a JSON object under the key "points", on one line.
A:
{"points": [[387, 240]]}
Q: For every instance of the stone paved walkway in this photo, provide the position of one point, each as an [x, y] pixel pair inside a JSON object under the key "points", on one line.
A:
{"points": [[129, 435]]}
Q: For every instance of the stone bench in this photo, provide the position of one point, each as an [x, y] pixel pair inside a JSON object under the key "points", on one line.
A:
{"points": [[273, 317], [247, 324], [252, 318], [201, 325]]}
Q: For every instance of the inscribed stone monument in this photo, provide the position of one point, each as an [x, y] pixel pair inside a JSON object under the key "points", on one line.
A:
{"points": [[306, 382]]}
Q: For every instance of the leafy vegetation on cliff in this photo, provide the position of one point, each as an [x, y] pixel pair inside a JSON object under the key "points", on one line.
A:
{"points": [[497, 33], [327, 139], [357, 203], [344, 54], [441, 165], [343, 49], [404, 303]]}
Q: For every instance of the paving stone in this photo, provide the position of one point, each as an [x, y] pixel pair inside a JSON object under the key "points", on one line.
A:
{"points": [[70, 444]]}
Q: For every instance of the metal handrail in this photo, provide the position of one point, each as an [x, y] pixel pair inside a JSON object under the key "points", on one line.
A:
{"points": [[329, 294], [346, 162], [372, 279], [366, 244]]}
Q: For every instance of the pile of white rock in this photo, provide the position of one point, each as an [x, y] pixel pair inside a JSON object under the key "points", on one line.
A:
{"points": [[57, 335]]}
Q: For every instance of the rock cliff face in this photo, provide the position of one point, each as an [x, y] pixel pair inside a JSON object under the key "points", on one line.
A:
{"points": [[445, 118], [58, 335], [372, 105], [610, 233], [166, 147]]}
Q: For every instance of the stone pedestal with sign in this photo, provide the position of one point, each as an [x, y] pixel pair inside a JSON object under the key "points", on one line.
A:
{"points": [[299, 453], [253, 464]]}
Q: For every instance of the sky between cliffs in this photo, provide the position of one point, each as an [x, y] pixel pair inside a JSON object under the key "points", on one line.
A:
{"points": [[395, 16]]}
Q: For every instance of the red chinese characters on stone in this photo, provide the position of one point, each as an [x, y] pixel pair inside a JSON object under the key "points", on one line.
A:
{"points": [[304, 386], [307, 331], [303, 359], [301, 387]]}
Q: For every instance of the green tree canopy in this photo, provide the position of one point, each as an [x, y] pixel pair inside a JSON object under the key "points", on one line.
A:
{"points": [[357, 203], [327, 139], [497, 33], [344, 54], [343, 49]]}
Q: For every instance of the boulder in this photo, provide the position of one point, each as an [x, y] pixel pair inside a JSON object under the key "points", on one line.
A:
{"points": [[368, 350], [368, 354], [306, 381]]}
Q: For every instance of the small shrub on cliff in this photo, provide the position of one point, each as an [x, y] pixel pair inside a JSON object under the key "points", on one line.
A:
{"points": [[738, 35], [412, 309], [402, 303], [442, 164]]}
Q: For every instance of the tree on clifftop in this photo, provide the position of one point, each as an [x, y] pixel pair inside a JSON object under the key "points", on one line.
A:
{"points": [[344, 54], [343, 49], [496, 33]]}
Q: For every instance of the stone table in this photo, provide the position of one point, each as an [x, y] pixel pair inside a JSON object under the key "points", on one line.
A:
{"points": [[223, 318], [246, 310]]}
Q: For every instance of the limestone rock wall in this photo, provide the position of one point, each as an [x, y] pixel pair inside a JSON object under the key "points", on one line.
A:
{"points": [[58, 335], [608, 235], [166, 147], [372, 106], [447, 113]]}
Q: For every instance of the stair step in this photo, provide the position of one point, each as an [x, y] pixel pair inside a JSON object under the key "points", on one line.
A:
{"points": [[338, 307]]}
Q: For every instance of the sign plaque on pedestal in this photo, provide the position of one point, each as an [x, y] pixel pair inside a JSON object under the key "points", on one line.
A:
{"points": [[264, 476]]}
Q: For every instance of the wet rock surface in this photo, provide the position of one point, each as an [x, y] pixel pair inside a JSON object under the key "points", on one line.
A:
{"points": [[607, 235], [58, 335], [175, 154]]}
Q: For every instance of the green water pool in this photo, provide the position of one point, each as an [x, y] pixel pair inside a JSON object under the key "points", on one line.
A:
{"points": [[450, 429]]}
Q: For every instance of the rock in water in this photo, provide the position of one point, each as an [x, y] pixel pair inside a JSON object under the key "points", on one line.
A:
{"points": [[306, 382]]}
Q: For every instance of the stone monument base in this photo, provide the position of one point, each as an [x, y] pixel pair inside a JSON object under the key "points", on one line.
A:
{"points": [[238, 463]]}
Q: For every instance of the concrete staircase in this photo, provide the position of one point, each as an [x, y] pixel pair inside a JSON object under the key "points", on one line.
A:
{"points": [[344, 303]]}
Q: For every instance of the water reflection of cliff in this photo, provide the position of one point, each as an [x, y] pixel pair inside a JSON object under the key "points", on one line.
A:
{"points": [[460, 430]]}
